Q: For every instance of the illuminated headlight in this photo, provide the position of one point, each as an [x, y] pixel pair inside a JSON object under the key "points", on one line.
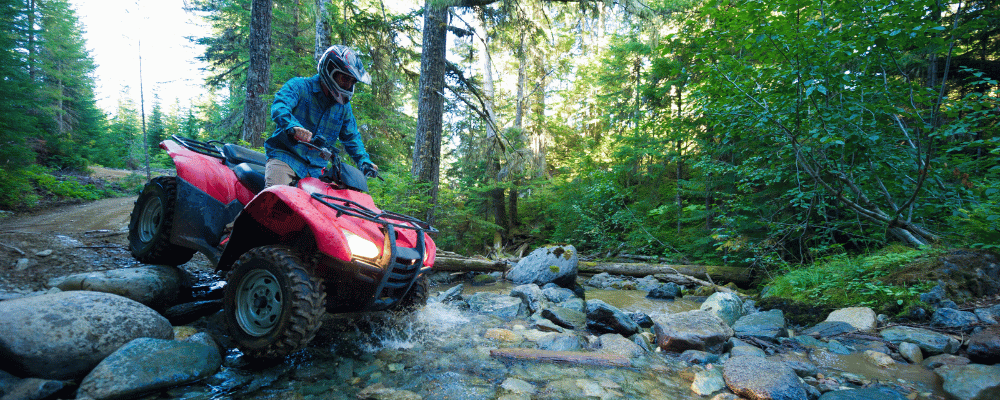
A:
{"points": [[359, 246]]}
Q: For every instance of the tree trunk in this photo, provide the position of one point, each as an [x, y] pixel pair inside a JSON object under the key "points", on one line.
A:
{"points": [[322, 29], [538, 145], [430, 105], [258, 74], [498, 201]]}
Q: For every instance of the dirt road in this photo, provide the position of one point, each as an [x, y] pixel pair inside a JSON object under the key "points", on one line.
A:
{"points": [[107, 214]]}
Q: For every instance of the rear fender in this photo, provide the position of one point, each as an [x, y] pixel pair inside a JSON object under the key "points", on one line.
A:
{"points": [[208, 174], [285, 214]]}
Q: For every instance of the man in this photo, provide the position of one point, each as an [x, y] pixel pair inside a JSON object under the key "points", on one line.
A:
{"points": [[316, 106]]}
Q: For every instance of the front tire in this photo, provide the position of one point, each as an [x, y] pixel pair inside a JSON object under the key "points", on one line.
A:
{"points": [[273, 304], [151, 223], [415, 298]]}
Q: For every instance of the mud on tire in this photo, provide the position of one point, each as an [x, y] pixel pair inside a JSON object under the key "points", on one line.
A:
{"points": [[273, 304], [151, 223], [415, 298]]}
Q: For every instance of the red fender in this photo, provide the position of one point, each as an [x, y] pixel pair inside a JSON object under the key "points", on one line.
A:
{"points": [[209, 174]]}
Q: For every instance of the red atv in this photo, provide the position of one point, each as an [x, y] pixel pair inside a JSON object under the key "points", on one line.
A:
{"points": [[294, 251]]}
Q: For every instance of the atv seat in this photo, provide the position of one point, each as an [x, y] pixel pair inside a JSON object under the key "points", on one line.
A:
{"points": [[253, 179], [239, 154]]}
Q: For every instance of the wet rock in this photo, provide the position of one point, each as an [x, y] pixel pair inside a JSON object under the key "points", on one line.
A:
{"points": [[380, 392], [868, 393], [768, 325], [145, 365], [156, 286], [187, 313], [565, 317], [930, 342], [22, 264], [971, 382], [758, 378], [727, 306], [829, 328], [881, 359], [496, 304], [605, 318], [64, 335], [555, 264], [726, 396], [984, 346], [560, 342], [502, 335], [940, 360], [556, 294], [44, 253], [861, 318], [747, 350], [799, 363], [699, 357], [649, 283], [666, 291], [691, 330], [708, 381], [613, 343], [989, 315], [530, 294], [642, 319], [518, 386], [15, 388], [450, 295], [954, 319], [911, 352]]}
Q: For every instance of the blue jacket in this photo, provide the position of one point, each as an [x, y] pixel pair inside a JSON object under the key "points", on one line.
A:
{"points": [[301, 102]]}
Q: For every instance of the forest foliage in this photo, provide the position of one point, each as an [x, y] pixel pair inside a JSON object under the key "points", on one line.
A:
{"points": [[747, 132]]}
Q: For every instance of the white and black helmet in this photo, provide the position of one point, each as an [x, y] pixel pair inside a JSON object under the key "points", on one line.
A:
{"points": [[340, 59]]}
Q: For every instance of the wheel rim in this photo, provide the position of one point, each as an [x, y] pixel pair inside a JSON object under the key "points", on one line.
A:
{"points": [[258, 302], [152, 217]]}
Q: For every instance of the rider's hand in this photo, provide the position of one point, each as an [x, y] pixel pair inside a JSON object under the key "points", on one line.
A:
{"points": [[369, 169], [301, 134]]}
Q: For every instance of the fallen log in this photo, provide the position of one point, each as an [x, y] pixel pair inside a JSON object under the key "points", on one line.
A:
{"points": [[462, 264], [713, 273], [562, 357]]}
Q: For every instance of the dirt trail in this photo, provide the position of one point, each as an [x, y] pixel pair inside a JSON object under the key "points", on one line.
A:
{"points": [[108, 214]]}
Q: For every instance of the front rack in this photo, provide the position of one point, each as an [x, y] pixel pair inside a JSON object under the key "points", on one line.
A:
{"points": [[354, 209]]}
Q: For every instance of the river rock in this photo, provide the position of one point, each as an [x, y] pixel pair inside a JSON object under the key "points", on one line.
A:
{"points": [[911, 352], [560, 342], [565, 317], [984, 346], [13, 388], [954, 319], [708, 381], [496, 304], [649, 283], [613, 343], [881, 359], [971, 382], [156, 286], [530, 294], [605, 318], [666, 291], [699, 357], [989, 315], [145, 365], [768, 325], [930, 342], [727, 306], [691, 330], [829, 328], [940, 360], [861, 318], [555, 264], [758, 378], [64, 335], [868, 393], [641, 318], [557, 294]]}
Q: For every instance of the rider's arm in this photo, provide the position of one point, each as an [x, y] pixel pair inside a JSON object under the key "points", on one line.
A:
{"points": [[285, 101], [351, 138]]}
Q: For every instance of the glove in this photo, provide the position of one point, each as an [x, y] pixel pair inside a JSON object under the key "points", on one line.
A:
{"points": [[370, 170]]}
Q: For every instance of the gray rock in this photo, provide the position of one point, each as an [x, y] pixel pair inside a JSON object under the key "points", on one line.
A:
{"points": [[911, 352], [829, 328], [555, 264], [933, 297], [641, 318], [708, 381], [691, 330], [984, 346], [800, 363], [649, 283], [504, 307], [727, 306], [758, 378], [144, 365], [971, 382], [768, 325], [940, 360], [699, 357], [32, 388], [955, 319], [560, 342], [557, 294], [605, 318], [989, 315], [666, 291], [932, 343], [156, 286], [450, 295], [861, 318], [613, 343], [530, 294], [64, 335], [868, 393], [565, 317], [747, 350]]}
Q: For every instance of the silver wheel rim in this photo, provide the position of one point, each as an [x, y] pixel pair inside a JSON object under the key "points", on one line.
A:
{"points": [[152, 217], [258, 302]]}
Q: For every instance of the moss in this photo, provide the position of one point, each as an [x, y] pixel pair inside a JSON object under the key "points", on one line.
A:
{"points": [[797, 313], [554, 269]]}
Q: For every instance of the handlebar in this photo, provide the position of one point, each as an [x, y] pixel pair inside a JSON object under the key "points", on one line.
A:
{"points": [[318, 143]]}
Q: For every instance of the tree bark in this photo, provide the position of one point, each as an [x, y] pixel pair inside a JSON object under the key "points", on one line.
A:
{"points": [[258, 74], [715, 273], [322, 29], [430, 105]]}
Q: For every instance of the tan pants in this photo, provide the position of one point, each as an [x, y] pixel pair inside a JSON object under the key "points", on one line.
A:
{"points": [[278, 172]]}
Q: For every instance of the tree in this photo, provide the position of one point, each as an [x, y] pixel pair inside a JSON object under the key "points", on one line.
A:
{"points": [[427, 141], [259, 73]]}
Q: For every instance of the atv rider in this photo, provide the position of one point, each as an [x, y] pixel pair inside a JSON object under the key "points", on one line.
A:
{"points": [[316, 106]]}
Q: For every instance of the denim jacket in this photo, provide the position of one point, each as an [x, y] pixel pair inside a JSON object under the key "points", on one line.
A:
{"points": [[301, 102]]}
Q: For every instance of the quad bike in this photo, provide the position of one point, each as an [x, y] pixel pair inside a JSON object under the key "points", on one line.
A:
{"points": [[294, 252]]}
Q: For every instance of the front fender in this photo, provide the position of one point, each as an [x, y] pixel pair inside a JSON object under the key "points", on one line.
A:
{"points": [[284, 214]]}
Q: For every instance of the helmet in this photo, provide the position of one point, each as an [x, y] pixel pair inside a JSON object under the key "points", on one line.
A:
{"points": [[340, 59]]}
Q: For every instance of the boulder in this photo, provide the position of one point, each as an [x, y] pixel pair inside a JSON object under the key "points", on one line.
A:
{"points": [[666, 291], [708, 381], [861, 318], [727, 306], [829, 328], [145, 365], [555, 264], [156, 286], [932, 343], [911, 352], [691, 330], [505, 307], [768, 325], [530, 294], [605, 318], [758, 378], [565, 317], [940, 360], [64, 335], [989, 315], [984, 346], [613, 343], [954, 319], [970, 382]]}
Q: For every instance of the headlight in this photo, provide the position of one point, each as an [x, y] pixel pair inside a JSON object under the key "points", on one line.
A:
{"points": [[359, 246]]}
